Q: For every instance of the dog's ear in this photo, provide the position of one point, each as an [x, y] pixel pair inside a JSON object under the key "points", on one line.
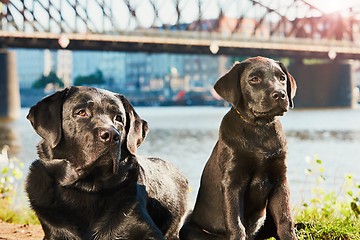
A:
{"points": [[46, 117], [290, 85], [228, 86], [136, 128]]}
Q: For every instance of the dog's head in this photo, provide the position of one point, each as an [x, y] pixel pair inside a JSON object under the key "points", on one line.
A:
{"points": [[94, 129], [259, 88]]}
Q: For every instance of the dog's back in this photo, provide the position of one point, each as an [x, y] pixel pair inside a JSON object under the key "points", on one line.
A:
{"points": [[167, 195]]}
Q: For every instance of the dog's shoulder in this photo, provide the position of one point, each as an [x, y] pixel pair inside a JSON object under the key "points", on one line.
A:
{"points": [[154, 167]]}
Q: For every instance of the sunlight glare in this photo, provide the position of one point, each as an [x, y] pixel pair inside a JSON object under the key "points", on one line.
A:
{"points": [[330, 6]]}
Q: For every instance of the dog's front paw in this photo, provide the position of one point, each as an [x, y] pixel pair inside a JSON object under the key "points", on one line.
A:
{"points": [[289, 235], [237, 236], [237, 232]]}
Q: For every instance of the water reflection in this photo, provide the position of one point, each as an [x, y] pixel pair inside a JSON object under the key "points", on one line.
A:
{"points": [[321, 135]]}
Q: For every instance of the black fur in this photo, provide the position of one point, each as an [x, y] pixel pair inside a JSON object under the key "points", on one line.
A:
{"points": [[89, 182], [244, 191]]}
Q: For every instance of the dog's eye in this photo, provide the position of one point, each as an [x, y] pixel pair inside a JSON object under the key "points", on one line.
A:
{"points": [[118, 118], [283, 78], [255, 80], [82, 113]]}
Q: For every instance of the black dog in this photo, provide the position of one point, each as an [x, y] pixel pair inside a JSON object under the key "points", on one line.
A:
{"points": [[244, 191], [89, 182]]}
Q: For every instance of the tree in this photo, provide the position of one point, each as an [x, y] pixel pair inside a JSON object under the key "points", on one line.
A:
{"points": [[43, 81], [96, 78]]}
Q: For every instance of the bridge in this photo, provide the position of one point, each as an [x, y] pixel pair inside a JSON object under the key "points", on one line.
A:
{"points": [[278, 28]]}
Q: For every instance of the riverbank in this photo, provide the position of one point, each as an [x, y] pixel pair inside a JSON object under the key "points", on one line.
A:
{"points": [[11, 231], [320, 227]]}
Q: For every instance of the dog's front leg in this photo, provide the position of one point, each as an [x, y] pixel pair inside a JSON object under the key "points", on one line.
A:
{"points": [[279, 204], [44, 177], [233, 209]]}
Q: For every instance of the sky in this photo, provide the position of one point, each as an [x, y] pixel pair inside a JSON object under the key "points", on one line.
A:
{"points": [[329, 6], [166, 10]]}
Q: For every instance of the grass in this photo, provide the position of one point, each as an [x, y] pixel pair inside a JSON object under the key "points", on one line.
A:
{"points": [[319, 227], [329, 215], [335, 222]]}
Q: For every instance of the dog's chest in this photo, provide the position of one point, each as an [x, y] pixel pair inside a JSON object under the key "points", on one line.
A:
{"points": [[261, 143], [257, 194], [256, 143], [261, 184]]}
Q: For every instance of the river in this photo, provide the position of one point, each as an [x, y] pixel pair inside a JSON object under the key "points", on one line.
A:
{"points": [[186, 136]]}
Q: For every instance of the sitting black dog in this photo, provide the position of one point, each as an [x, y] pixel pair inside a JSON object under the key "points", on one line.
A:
{"points": [[89, 182], [244, 192]]}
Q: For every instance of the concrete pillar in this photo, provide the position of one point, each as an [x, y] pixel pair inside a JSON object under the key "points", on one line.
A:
{"points": [[323, 84], [9, 87]]}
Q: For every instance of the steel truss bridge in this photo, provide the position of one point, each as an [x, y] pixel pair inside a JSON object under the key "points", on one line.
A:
{"points": [[293, 28]]}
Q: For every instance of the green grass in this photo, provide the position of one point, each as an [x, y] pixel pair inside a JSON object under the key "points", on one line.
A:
{"points": [[329, 215], [317, 224]]}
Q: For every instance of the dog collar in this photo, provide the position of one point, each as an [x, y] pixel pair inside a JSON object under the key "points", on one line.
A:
{"points": [[242, 118], [253, 123]]}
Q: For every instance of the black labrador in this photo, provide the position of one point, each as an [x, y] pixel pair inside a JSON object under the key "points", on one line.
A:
{"points": [[244, 191], [89, 182]]}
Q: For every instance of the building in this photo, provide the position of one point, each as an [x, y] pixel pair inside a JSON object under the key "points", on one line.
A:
{"points": [[33, 63], [111, 64]]}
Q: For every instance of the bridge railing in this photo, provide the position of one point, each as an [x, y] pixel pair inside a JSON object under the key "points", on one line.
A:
{"points": [[262, 19], [152, 40]]}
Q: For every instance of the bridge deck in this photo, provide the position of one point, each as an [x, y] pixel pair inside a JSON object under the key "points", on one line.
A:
{"points": [[183, 42]]}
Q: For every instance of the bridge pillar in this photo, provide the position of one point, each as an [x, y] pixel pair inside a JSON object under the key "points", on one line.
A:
{"points": [[324, 84], [9, 87]]}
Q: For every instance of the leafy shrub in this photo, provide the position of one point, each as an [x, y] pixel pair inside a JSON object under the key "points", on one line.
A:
{"points": [[329, 214], [10, 171]]}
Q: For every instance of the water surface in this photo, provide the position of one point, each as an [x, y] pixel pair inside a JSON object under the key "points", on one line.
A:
{"points": [[186, 136]]}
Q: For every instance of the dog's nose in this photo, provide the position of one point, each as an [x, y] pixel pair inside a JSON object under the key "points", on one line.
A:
{"points": [[278, 95], [107, 135]]}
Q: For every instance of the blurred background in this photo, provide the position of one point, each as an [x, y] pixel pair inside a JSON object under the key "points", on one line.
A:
{"points": [[165, 56]]}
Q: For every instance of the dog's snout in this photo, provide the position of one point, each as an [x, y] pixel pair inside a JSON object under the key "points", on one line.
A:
{"points": [[279, 95], [108, 135]]}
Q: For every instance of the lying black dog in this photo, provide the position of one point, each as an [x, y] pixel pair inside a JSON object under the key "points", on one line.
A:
{"points": [[244, 191], [89, 182]]}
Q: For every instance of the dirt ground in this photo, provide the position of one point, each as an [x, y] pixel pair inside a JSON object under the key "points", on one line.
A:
{"points": [[9, 231]]}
